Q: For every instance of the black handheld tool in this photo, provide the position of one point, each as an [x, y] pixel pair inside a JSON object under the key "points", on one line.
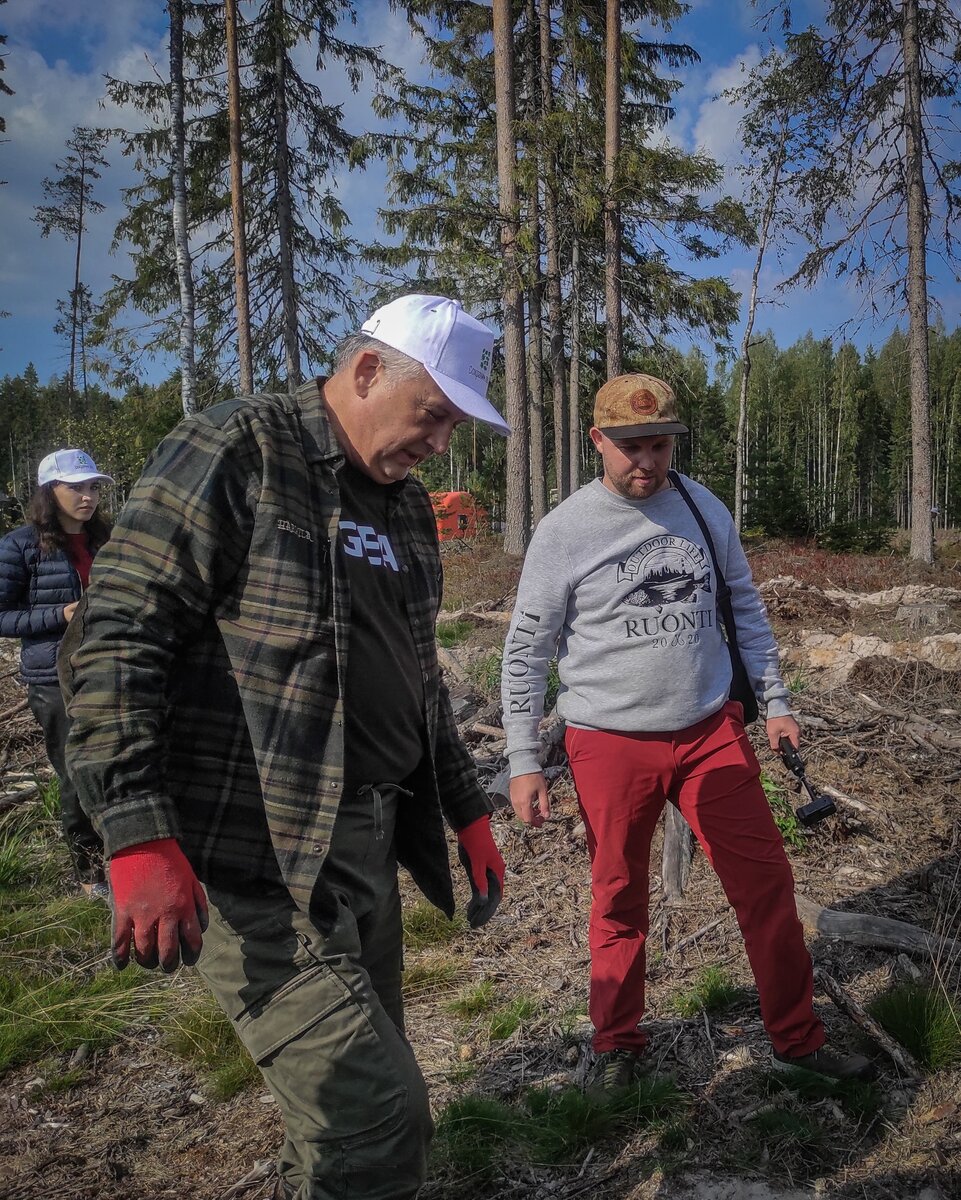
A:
{"points": [[819, 805]]}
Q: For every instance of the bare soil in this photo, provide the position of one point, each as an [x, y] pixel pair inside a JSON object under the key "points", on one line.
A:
{"points": [[138, 1124]]}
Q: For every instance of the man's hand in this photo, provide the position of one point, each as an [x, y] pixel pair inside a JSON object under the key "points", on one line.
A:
{"points": [[158, 905], [482, 861], [69, 610], [529, 798], [778, 727]]}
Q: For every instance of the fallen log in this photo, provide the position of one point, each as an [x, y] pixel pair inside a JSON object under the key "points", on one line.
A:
{"points": [[864, 929], [476, 612], [450, 665], [848, 1005], [487, 730], [833, 792]]}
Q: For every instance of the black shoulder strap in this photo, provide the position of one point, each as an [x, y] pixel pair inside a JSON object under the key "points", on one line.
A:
{"points": [[723, 591]]}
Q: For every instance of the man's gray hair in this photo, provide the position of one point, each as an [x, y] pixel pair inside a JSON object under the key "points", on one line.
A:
{"points": [[397, 365]]}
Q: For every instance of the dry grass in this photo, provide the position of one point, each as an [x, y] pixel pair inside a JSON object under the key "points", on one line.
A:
{"points": [[856, 572], [477, 570]]}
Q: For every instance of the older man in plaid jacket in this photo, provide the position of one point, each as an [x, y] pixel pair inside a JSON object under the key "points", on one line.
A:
{"points": [[261, 734]]}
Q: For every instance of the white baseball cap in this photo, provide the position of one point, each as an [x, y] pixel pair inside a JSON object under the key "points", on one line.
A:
{"points": [[68, 466], [454, 348]]}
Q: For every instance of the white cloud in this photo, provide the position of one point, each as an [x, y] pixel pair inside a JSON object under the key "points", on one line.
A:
{"points": [[715, 130]]}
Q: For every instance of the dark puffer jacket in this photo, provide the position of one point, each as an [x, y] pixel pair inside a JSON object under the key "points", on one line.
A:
{"points": [[34, 588]]}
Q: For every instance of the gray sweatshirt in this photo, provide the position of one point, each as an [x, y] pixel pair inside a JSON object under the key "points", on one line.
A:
{"points": [[623, 592]]}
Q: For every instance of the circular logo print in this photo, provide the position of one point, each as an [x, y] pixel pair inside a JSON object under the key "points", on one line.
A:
{"points": [[643, 402]]}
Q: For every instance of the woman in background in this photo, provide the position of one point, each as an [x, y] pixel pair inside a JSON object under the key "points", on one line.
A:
{"points": [[44, 570]]}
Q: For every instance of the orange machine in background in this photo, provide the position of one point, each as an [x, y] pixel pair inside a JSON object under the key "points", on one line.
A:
{"points": [[458, 515]]}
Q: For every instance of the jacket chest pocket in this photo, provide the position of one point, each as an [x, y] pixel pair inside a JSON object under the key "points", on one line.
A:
{"points": [[288, 573]]}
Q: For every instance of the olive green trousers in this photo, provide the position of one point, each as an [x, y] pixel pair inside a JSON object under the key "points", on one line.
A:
{"points": [[322, 1016]]}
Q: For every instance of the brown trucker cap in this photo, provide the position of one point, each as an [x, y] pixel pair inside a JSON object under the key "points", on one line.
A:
{"points": [[630, 406]]}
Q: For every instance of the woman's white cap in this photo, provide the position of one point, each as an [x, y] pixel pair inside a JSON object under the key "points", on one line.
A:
{"points": [[68, 466], [454, 348]]}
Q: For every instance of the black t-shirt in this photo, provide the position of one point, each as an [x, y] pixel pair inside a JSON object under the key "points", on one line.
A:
{"points": [[384, 700]]}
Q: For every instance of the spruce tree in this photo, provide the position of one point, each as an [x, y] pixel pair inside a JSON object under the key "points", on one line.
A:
{"points": [[301, 255]]}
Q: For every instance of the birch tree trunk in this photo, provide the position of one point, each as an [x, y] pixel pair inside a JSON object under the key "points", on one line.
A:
{"points": [[242, 296], [517, 514], [185, 279], [763, 236], [285, 223], [922, 533]]}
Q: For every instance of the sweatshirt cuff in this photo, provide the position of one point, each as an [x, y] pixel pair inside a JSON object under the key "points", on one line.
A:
{"points": [[778, 708], [524, 762]]}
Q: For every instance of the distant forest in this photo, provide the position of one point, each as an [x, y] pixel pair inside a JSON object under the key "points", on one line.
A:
{"points": [[828, 437]]}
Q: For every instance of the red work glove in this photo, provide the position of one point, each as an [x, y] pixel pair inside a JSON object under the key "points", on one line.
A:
{"points": [[482, 861], [158, 904]]}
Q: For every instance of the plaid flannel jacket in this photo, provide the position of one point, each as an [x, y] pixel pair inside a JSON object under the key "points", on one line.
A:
{"points": [[206, 670]]}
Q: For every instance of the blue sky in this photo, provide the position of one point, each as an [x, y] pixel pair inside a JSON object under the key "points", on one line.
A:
{"points": [[59, 50]]}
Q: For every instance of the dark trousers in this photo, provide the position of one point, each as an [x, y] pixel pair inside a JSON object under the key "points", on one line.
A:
{"points": [[710, 772], [322, 1015], [86, 848]]}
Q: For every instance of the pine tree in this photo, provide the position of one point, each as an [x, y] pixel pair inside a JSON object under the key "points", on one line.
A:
{"points": [[517, 523], [181, 236], [70, 202]]}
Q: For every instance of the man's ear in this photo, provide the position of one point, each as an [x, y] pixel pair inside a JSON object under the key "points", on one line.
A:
{"points": [[596, 436], [363, 370]]}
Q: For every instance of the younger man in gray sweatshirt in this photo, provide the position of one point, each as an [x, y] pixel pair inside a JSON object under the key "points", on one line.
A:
{"points": [[619, 584]]}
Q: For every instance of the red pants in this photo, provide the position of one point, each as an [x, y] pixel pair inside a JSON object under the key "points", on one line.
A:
{"points": [[711, 773]]}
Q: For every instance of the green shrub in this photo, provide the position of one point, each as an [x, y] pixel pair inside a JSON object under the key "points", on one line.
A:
{"points": [[783, 812], [782, 1125], [855, 537], [925, 1020], [563, 1124], [452, 633], [861, 1101], [470, 1133]]}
